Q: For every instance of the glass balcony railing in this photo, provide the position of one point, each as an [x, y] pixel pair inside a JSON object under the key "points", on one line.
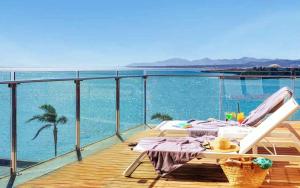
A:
{"points": [[246, 93], [183, 97], [97, 114], [131, 103], [101, 104], [296, 88], [5, 108], [28, 75], [33, 148], [5, 76], [92, 74]]}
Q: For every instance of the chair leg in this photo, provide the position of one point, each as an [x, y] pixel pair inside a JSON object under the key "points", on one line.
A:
{"points": [[295, 136], [296, 142], [254, 150], [134, 165], [293, 131]]}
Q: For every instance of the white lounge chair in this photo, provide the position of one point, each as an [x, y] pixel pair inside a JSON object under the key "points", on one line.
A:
{"points": [[247, 143], [270, 105]]}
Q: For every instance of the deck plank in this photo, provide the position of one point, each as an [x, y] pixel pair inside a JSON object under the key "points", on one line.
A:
{"points": [[104, 169]]}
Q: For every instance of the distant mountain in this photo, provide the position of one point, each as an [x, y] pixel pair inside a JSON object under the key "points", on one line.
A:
{"points": [[244, 62], [168, 62]]}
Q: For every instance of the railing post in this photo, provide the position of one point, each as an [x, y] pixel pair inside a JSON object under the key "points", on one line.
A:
{"points": [[293, 117], [77, 82], [13, 152], [145, 100], [293, 83], [221, 84], [117, 106], [13, 76]]}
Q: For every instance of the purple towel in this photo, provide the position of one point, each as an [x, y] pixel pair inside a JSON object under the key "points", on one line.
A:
{"points": [[168, 154], [208, 128], [271, 104]]}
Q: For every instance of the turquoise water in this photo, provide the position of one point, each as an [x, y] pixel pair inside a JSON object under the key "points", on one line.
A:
{"points": [[180, 97]]}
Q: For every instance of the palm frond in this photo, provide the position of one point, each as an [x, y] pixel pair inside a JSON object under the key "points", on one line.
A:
{"points": [[50, 117], [40, 118], [43, 118], [42, 128], [161, 117], [49, 112], [48, 109], [62, 120]]}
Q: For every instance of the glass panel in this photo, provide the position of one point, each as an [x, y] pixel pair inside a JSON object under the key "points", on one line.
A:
{"points": [[183, 97], [4, 76], [174, 71], [248, 93], [264, 71], [90, 74], [34, 75], [61, 95], [131, 103], [5, 111], [131, 73], [97, 110], [297, 97]]}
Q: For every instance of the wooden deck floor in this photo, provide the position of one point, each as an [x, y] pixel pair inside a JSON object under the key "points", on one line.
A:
{"points": [[104, 169]]}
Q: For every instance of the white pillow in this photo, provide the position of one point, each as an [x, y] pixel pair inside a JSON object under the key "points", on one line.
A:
{"points": [[234, 132]]}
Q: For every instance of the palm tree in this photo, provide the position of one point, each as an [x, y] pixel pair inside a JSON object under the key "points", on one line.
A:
{"points": [[50, 119], [161, 117]]}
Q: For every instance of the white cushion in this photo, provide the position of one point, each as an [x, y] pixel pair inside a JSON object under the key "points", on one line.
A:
{"points": [[234, 132]]}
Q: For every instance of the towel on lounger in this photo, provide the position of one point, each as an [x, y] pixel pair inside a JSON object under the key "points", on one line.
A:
{"points": [[168, 154], [208, 128], [270, 105]]}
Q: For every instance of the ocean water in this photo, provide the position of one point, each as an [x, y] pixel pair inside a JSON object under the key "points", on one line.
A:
{"points": [[180, 97]]}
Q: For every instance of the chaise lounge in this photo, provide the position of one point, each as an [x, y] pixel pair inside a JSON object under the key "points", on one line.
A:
{"points": [[273, 102], [251, 141]]}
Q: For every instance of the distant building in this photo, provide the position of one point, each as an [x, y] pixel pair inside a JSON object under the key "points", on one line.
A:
{"points": [[274, 66]]}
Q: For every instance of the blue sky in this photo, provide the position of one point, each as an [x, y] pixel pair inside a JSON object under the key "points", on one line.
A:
{"points": [[70, 33]]}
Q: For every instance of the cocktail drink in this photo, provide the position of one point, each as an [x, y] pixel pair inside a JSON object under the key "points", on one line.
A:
{"points": [[233, 115], [240, 117], [228, 116]]}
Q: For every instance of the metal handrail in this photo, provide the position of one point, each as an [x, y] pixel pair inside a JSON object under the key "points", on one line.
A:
{"points": [[148, 75]]}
